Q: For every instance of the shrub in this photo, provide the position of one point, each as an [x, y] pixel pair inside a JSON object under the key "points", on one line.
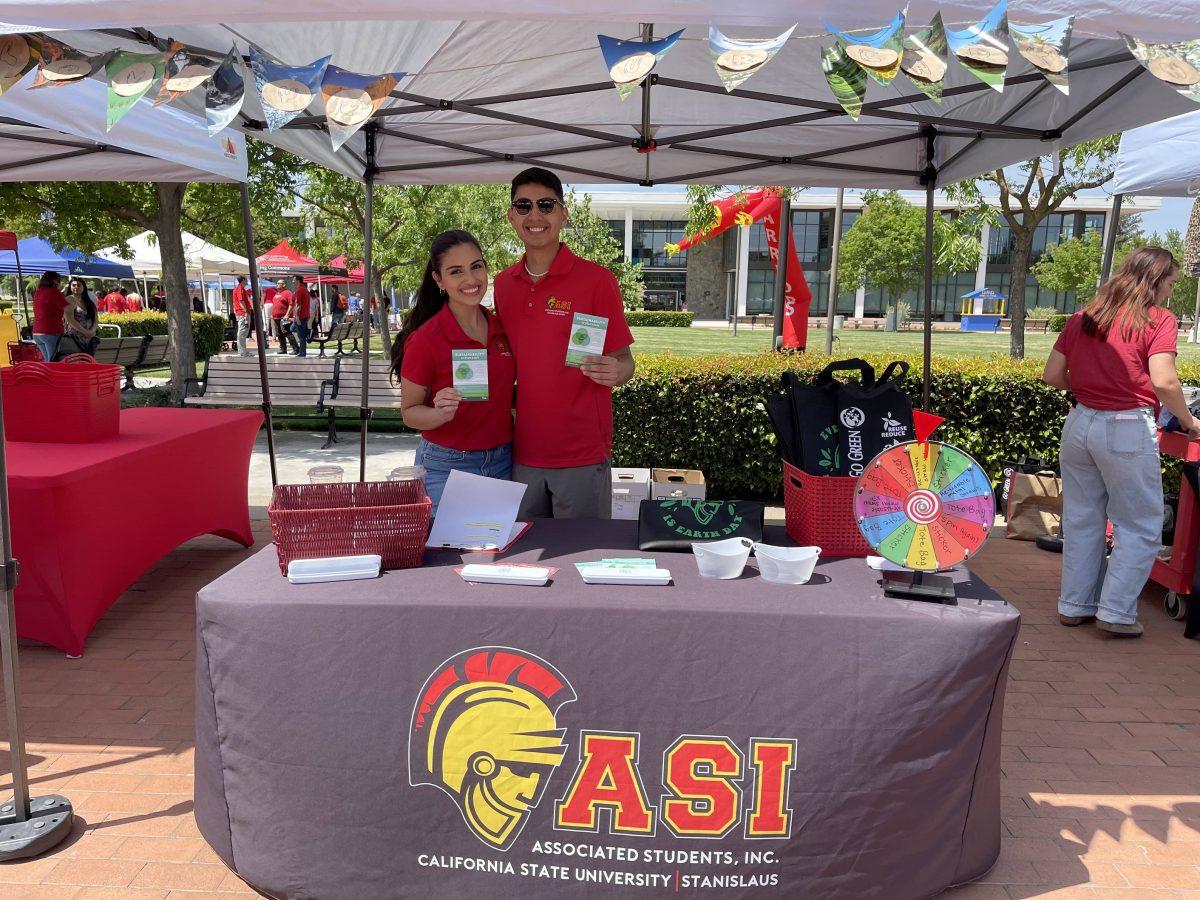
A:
{"points": [[708, 413], [655, 318], [1042, 312], [1057, 322], [208, 331]]}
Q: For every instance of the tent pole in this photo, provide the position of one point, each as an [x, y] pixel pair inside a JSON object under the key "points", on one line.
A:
{"points": [[835, 242], [259, 337], [929, 179], [21, 291], [364, 410], [1110, 239], [1194, 337], [784, 249], [26, 828]]}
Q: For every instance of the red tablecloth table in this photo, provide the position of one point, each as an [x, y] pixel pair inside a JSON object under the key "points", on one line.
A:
{"points": [[88, 519]]}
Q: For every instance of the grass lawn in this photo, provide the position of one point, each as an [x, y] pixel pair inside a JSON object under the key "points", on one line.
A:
{"points": [[849, 342]]}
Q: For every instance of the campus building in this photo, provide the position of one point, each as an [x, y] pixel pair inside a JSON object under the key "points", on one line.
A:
{"points": [[734, 271]]}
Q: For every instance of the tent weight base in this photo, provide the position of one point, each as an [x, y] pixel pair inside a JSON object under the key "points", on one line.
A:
{"points": [[48, 824]]}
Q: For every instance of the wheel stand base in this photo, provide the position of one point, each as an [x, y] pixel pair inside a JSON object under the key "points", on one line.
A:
{"points": [[48, 824]]}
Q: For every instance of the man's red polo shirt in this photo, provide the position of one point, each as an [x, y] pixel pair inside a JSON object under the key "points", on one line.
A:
{"points": [[477, 424], [564, 419], [241, 301], [302, 302], [281, 305]]}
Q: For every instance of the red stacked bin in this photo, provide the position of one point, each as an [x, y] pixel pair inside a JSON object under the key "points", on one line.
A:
{"points": [[61, 403]]}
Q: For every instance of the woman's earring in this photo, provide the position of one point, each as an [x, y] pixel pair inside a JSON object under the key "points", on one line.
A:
{"points": [[444, 294]]}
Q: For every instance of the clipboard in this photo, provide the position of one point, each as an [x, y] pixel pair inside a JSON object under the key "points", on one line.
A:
{"points": [[518, 531]]}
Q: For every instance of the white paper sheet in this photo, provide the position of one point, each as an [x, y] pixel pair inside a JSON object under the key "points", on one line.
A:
{"points": [[476, 513]]}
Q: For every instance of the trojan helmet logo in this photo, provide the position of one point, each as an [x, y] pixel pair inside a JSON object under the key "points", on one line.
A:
{"points": [[484, 731]]}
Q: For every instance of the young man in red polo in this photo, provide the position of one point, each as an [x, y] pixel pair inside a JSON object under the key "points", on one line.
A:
{"points": [[301, 314], [563, 441], [243, 308]]}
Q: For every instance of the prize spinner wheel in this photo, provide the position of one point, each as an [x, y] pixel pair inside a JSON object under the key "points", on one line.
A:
{"points": [[924, 506]]}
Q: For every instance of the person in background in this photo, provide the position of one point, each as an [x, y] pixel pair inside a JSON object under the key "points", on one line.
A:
{"points": [[133, 302], [1117, 356], [564, 428], [281, 311], [374, 312], [101, 300], [48, 306], [338, 308], [115, 301], [301, 314], [243, 309], [159, 302], [80, 318], [354, 304], [197, 304], [268, 308], [465, 435]]}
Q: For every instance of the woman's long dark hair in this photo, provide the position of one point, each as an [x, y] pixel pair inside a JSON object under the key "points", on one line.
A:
{"points": [[430, 298], [89, 304]]}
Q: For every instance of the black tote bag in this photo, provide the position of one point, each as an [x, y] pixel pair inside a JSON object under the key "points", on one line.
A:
{"points": [[815, 413], [677, 524], [873, 418]]}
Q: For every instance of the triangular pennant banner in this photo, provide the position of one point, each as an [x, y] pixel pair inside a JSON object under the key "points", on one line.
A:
{"points": [[629, 62], [285, 91], [924, 424], [846, 79], [1175, 62], [224, 94], [184, 72], [130, 77], [981, 48], [18, 54], [59, 64], [880, 53], [924, 60], [350, 99], [1045, 46], [736, 60]]}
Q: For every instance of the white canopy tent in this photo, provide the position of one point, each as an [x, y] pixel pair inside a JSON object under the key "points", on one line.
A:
{"points": [[201, 256], [493, 89], [1161, 159]]}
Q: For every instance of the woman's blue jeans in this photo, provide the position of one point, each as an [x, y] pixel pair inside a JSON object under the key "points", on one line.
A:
{"points": [[48, 344], [440, 461]]}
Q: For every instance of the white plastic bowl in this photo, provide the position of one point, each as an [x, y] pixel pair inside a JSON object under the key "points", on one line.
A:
{"points": [[722, 559], [786, 565]]}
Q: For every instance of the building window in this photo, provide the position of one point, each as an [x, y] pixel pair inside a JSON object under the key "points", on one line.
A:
{"points": [[616, 227], [1093, 222], [650, 238], [760, 292]]}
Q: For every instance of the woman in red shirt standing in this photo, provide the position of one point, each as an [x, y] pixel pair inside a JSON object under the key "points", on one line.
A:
{"points": [[48, 306], [1117, 356], [457, 433]]}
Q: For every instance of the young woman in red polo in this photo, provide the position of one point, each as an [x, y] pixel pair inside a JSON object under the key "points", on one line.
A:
{"points": [[455, 368]]}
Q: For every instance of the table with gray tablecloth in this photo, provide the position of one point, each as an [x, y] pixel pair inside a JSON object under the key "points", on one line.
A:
{"points": [[418, 736]]}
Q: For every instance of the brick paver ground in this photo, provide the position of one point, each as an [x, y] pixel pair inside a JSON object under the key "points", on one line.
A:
{"points": [[1101, 796]]}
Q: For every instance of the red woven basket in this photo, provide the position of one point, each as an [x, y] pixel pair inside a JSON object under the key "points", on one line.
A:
{"points": [[388, 518], [819, 512]]}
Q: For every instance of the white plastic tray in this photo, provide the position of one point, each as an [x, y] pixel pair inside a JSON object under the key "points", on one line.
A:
{"points": [[333, 568], [628, 575], [533, 576]]}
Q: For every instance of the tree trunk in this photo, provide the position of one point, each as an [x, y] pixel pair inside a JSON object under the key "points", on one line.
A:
{"points": [[385, 332], [174, 271], [1022, 251]]}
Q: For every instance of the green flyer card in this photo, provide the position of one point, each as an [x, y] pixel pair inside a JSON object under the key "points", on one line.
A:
{"points": [[587, 338], [470, 373]]}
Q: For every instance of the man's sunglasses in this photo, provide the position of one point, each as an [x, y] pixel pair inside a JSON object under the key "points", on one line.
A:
{"points": [[545, 205]]}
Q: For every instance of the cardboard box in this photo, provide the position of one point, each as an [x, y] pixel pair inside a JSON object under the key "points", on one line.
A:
{"points": [[676, 484], [629, 488]]}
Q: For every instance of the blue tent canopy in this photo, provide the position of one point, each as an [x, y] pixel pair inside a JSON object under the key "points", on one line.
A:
{"points": [[38, 256]]}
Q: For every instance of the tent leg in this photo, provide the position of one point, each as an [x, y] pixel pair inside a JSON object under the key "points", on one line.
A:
{"points": [[835, 243], [1195, 335], [27, 827], [28, 322], [928, 348], [259, 337], [364, 409], [785, 243], [1110, 239]]}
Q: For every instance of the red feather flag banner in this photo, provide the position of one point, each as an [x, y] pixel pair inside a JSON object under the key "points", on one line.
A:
{"points": [[744, 209]]}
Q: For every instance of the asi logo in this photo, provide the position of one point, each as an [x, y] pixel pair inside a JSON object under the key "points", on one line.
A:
{"points": [[484, 732], [556, 307], [853, 417]]}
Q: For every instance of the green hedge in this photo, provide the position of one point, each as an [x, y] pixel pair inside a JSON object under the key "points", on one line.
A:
{"points": [[707, 413], [655, 318], [1057, 322], [208, 331]]}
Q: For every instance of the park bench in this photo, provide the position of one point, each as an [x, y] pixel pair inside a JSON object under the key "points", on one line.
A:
{"points": [[340, 334], [346, 390], [234, 381], [126, 352]]}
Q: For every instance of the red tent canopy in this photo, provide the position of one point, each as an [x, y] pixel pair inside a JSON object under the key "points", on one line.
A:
{"points": [[284, 259], [352, 276]]}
